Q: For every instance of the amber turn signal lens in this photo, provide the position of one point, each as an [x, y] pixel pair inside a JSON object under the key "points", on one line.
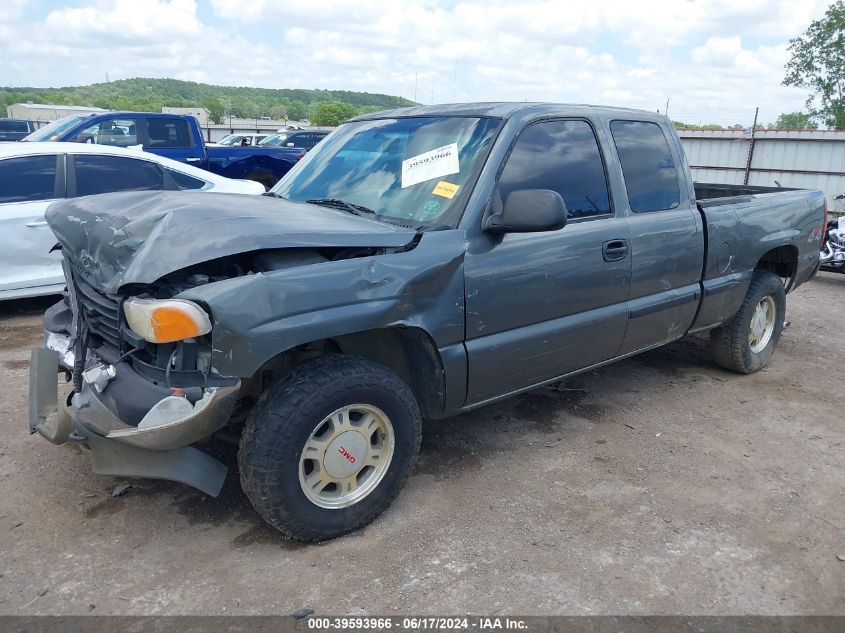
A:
{"points": [[166, 320]]}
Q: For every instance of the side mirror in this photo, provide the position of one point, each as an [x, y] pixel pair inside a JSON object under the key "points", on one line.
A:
{"points": [[289, 145], [529, 211]]}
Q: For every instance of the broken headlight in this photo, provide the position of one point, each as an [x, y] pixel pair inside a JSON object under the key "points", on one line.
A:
{"points": [[165, 320]]}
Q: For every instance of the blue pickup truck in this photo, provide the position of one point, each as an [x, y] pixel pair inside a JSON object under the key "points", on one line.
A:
{"points": [[177, 137]]}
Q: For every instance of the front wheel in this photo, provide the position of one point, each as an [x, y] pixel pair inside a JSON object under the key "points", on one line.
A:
{"points": [[329, 447], [264, 177], [747, 342]]}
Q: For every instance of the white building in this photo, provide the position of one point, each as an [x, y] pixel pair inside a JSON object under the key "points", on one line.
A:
{"points": [[44, 113], [201, 114], [804, 159]]}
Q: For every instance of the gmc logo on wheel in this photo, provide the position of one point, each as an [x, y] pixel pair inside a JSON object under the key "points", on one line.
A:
{"points": [[349, 456]]}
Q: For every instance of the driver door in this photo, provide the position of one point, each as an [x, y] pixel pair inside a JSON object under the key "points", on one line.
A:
{"points": [[541, 305]]}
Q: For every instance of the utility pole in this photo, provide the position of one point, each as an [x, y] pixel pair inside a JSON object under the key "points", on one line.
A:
{"points": [[751, 147], [666, 111]]}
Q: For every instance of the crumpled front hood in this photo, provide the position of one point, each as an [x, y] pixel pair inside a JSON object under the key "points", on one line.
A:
{"points": [[138, 237]]}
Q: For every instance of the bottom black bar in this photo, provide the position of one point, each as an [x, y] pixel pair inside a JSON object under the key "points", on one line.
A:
{"points": [[522, 624]]}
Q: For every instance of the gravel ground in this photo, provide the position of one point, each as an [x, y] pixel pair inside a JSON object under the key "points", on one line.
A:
{"points": [[658, 485]]}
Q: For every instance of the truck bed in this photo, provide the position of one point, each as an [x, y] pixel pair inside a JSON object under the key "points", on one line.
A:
{"points": [[744, 224], [710, 194]]}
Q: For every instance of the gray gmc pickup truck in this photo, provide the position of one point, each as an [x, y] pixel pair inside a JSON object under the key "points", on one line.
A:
{"points": [[416, 264]]}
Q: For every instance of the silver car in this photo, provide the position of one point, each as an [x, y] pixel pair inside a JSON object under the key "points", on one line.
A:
{"points": [[33, 175]]}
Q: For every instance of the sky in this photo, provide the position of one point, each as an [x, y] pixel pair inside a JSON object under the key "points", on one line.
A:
{"points": [[713, 60]]}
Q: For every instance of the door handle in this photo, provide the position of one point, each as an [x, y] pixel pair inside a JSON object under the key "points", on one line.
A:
{"points": [[38, 223], [193, 159], [614, 250]]}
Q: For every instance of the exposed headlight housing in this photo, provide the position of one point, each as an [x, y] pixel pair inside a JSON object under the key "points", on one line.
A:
{"points": [[165, 320]]}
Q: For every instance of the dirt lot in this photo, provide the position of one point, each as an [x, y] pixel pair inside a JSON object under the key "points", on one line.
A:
{"points": [[657, 485]]}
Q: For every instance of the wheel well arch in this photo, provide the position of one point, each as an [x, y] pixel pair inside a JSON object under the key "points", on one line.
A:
{"points": [[781, 260], [410, 353]]}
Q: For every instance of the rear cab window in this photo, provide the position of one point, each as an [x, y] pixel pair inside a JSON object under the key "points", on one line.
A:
{"points": [[649, 171], [14, 126], [28, 178], [563, 156]]}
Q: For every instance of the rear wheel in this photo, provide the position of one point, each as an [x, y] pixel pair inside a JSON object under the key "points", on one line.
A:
{"points": [[747, 342], [329, 447]]}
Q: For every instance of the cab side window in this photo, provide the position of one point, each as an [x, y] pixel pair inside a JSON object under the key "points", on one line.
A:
{"points": [[28, 178], [168, 133], [107, 174], [562, 156], [651, 177], [120, 132]]}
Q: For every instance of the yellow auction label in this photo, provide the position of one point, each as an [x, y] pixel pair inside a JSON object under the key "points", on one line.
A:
{"points": [[446, 189]]}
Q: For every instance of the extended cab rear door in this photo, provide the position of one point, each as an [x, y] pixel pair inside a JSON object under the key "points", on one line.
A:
{"points": [[666, 233], [174, 138], [540, 305]]}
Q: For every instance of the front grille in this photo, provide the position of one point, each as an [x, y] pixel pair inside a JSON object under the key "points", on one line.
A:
{"points": [[100, 312]]}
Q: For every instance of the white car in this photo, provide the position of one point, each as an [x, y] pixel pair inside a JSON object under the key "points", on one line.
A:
{"points": [[33, 175], [237, 140]]}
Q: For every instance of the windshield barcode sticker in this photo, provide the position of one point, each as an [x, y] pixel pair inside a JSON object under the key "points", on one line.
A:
{"points": [[434, 164]]}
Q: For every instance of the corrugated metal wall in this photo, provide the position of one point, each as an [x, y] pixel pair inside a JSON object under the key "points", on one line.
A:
{"points": [[809, 159]]}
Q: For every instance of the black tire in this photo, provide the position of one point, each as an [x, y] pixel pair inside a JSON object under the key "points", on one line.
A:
{"points": [[263, 177], [729, 343], [282, 422]]}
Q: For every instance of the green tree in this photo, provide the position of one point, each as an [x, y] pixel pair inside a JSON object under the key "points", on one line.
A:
{"points": [[332, 113], [795, 121], [297, 110], [818, 64], [216, 109], [150, 94]]}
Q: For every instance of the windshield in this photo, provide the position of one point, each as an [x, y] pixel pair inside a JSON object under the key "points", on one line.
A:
{"points": [[229, 139], [418, 168], [54, 130], [274, 139]]}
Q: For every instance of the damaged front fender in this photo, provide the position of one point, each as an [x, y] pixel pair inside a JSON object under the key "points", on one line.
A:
{"points": [[257, 317]]}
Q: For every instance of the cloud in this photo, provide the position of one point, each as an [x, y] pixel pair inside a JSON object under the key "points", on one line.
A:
{"points": [[714, 59], [125, 22]]}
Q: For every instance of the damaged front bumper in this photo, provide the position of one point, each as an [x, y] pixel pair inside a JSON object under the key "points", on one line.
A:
{"points": [[159, 450]]}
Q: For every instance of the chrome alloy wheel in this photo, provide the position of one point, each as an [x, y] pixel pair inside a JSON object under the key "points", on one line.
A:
{"points": [[762, 324], [346, 456]]}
